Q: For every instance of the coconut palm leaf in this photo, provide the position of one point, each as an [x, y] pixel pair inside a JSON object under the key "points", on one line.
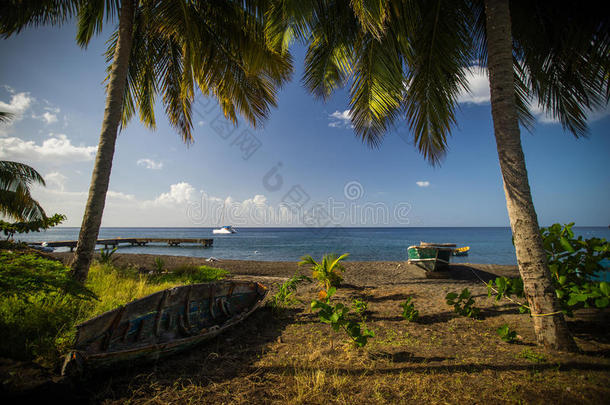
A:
{"points": [[15, 198]]}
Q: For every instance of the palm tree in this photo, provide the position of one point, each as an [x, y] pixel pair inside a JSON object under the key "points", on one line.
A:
{"points": [[408, 59], [328, 272], [15, 198], [15, 181], [168, 47]]}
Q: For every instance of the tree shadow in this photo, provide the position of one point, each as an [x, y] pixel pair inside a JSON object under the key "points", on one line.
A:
{"points": [[421, 365], [392, 297], [404, 357]]}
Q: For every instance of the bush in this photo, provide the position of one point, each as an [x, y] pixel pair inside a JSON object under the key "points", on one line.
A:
{"points": [[190, 273], [408, 310], [285, 294], [463, 304]]}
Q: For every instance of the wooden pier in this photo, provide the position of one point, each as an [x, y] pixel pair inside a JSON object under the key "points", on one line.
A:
{"points": [[116, 242]]}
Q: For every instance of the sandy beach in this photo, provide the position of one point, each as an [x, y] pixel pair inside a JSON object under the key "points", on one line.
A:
{"points": [[291, 357]]}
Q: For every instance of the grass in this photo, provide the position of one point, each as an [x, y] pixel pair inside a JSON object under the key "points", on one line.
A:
{"points": [[41, 326]]}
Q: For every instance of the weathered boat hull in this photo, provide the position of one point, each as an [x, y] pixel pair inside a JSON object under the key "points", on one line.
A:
{"points": [[161, 324], [430, 258]]}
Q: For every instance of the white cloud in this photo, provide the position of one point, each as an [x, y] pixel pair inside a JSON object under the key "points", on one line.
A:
{"points": [[56, 149], [340, 119], [56, 180], [478, 85], [179, 193], [422, 183], [150, 164], [182, 205], [200, 123], [49, 118], [19, 103]]}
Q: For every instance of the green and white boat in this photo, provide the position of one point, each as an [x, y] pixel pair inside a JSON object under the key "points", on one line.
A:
{"points": [[431, 256]]}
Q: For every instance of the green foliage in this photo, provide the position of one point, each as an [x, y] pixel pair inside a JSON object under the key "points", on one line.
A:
{"points": [[11, 228], [15, 199], [463, 303], [360, 307], [159, 264], [573, 263], [285, 294], [40, 325], [408, 310], [328, 272], [336, 316], [505, 287], [507, 334], [26, 274], [106, 255]]}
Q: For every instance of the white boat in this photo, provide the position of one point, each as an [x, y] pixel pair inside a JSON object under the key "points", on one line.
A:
{"points": [[224, 230]]}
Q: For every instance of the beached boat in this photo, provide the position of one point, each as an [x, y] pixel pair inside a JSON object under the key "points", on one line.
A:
{"points": [[462, 251], [162, 323], [224, 230], [431, 256]]}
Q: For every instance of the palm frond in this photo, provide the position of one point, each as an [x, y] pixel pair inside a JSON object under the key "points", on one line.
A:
{"points": [[564, 51], [441, 46], [16, 15], [6, 116]]}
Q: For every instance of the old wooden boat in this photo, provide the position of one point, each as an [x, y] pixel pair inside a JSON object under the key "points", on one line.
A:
{"points": [[461, 251], [430, 256], [162, 323]]}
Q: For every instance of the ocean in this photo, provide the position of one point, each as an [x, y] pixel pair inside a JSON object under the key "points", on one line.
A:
{"points": [[487, 245]]}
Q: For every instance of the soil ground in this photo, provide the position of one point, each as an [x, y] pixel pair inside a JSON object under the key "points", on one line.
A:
{"points": [[288, 356]]}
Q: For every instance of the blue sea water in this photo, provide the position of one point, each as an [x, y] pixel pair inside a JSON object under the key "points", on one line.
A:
{"points": [[487, 245]]}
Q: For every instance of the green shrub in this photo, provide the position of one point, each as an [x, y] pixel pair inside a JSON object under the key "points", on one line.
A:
{"points": [[285, 294], [106, 255], [463, 304], [159, 265], [408, 310], [574, 262], [507, 334], [336, 316], [328, 272]]}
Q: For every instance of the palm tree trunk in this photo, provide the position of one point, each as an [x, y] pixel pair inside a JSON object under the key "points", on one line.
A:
{"points": [[551, 330], [103, 161]]}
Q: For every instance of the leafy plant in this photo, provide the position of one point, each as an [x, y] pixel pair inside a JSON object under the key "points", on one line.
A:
{"points": [[463, 303], [285, 295], [328, 272], [574, 264], [159, 264], [504, 287], [360, 307], [507, 334], [408, 310], [106, 255], [11, 228], [336, 316]]}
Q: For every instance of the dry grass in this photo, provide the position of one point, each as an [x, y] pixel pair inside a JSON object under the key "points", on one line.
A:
{"points": [[286, 358]]}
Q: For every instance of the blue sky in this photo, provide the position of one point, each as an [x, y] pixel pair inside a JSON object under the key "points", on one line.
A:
{"points": [[57, 92]]}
